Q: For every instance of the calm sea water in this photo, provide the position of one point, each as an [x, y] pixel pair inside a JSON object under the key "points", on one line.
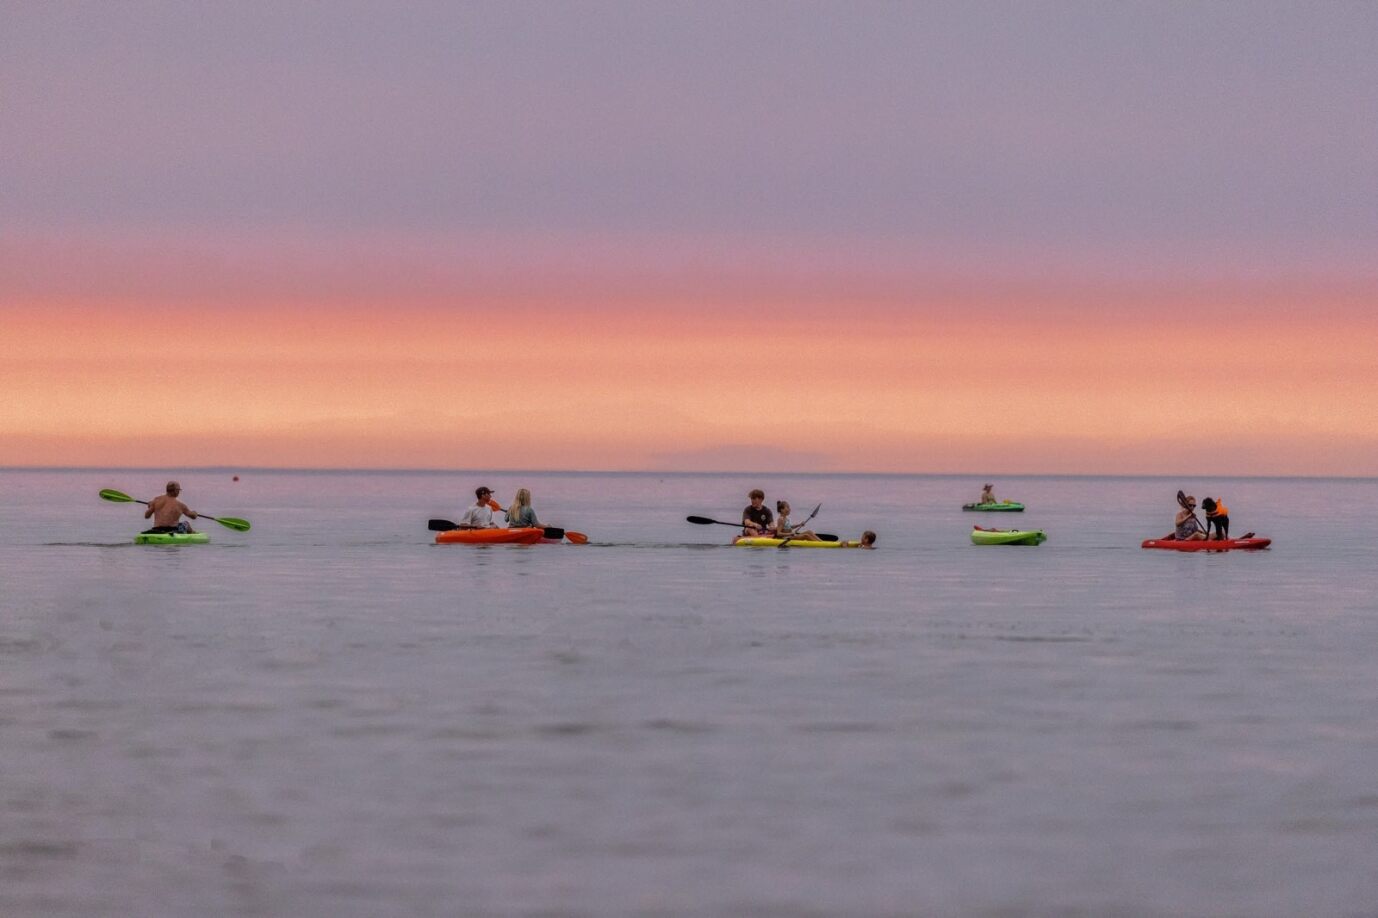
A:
{"points": [[332, 716]]}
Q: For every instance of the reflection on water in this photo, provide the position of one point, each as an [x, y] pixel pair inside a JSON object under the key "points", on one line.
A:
{"points": [[330, 715]]}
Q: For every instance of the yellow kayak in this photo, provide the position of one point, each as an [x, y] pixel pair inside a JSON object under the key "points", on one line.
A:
{"points": [[763, 542]]}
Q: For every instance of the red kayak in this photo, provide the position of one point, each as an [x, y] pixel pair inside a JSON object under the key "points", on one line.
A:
{"points": [[1172, 544], [490, 536]]}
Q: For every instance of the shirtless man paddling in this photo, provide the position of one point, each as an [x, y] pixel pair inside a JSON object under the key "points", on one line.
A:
{"points": [[167, 511]]}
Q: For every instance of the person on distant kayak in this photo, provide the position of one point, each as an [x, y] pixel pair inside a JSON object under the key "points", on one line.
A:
{"points": [[1188, 527], [520, 514], [782, 528], [757, 520], [987, 495], [1217, 517], [167, 511], [480, 515]]}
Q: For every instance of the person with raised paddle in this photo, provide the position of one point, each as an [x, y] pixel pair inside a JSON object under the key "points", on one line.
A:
{"points": [[1187, 528], [480, 515], [167, 511], [757, 520], [784, 530]]}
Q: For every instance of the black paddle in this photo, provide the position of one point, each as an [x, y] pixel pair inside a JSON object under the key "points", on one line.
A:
{"points": [[803, 524], [705, 521]]}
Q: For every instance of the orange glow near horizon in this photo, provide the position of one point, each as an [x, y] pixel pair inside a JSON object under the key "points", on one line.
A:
{"points": [[692, 386]]}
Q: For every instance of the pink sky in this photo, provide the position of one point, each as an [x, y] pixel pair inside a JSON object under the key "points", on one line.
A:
{"points": [[1038, 237], [184, 354]]}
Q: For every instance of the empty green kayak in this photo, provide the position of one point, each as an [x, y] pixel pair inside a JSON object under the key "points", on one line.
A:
{"points": [[1004, 506], [981, 536], [171, 538]]}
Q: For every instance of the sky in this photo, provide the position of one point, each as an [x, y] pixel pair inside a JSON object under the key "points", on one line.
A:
{"points": [[1131, 238]]}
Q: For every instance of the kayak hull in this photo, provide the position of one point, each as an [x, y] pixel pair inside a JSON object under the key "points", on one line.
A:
{"points": [[981, 536], [763, 542], [1007, 506], [490, 537], [171, 538], [1170, 544]]}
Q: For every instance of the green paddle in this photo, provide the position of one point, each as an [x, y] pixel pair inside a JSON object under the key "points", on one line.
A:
{"points": [[229, 522]]}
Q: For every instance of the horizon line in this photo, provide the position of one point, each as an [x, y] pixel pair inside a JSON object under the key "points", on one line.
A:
{"points": [[652, 472]]}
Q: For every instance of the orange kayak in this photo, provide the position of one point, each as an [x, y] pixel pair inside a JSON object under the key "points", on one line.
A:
{"points": [[490, 536]]}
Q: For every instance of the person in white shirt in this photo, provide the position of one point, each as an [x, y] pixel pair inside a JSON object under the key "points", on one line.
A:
{"points": [[480, 515]]}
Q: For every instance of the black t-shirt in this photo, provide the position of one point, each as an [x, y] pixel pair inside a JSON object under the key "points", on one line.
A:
{"points": [[762, 517]]}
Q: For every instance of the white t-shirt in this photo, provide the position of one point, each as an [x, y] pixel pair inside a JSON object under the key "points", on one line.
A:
{"points": [[478, 515]]}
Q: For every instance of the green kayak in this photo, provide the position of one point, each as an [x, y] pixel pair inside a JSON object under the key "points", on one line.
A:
{"points": [[171, 538], [1005, 506], [981, 536]]}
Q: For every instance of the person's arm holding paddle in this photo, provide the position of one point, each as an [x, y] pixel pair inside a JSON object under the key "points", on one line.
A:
{"points": [[757, 519], [480, 515]]}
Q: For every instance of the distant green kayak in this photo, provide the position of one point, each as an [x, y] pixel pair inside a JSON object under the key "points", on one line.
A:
{"points": [[981, 536], [1005, 506], [171, 538]]}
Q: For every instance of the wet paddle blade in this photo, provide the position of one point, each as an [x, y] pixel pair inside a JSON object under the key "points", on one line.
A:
{"points": [[577, 538], [231, 522], [118, 497]]}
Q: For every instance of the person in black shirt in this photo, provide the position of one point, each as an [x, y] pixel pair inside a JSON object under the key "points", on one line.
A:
{"points": [[757, 519]]}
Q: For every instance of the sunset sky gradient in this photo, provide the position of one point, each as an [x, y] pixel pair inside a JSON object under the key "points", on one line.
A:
{"points": [[1004, 238]]}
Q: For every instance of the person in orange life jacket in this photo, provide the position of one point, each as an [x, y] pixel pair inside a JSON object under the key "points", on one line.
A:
{"points": [[1217, 517]]}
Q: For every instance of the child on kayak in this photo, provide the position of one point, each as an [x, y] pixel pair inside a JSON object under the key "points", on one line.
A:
{"points": [[783, 529], [988, 495], [1217, 517]]}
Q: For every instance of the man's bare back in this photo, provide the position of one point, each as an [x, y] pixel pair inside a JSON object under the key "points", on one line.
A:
{"points": [[166, 509]]}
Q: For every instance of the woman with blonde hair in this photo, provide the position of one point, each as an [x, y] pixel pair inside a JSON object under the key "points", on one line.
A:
{"points": [[520, 514]]}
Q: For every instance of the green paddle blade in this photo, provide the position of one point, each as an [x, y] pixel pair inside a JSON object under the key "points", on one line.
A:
{"points": [[231, 522], [118, 497]]}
